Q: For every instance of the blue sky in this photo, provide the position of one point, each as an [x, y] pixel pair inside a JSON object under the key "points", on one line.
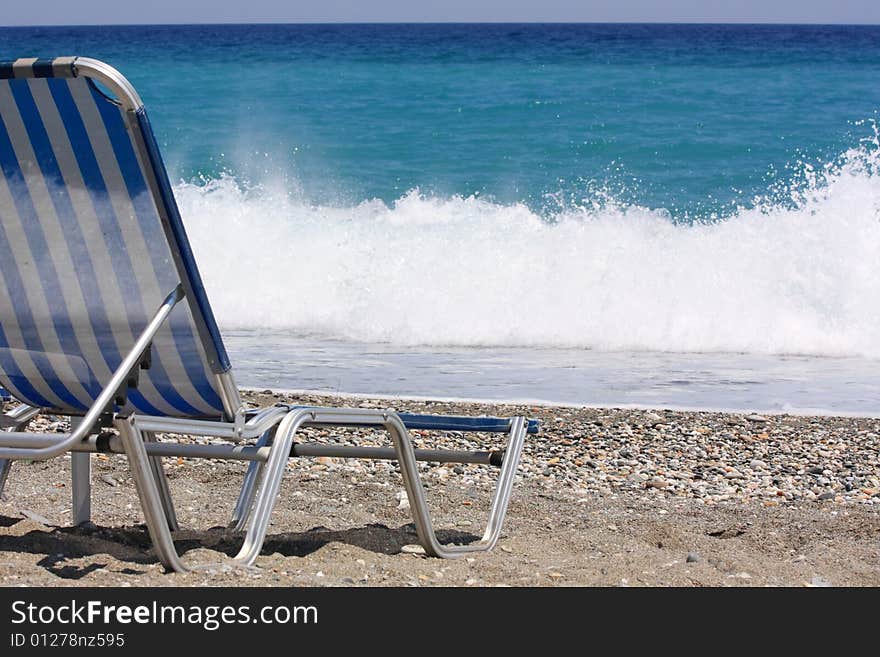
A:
{"points": [[220, 11]]}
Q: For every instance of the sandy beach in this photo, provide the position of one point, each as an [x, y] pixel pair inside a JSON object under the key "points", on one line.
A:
{"points": [[605, 497]]}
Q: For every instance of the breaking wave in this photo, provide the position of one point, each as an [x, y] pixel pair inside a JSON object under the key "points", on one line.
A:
{"points": [[798, 276]]}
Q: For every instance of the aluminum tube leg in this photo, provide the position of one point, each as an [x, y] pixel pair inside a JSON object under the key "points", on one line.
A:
{"points": [[81, 487], [80, 482], [162, 486], [416, 495], [273, 472], [504, 486], [5, 467], [151, 500], [249, 487]]}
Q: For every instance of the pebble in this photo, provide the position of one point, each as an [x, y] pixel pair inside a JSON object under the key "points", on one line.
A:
{"points": [[412, 549], [36, 517], [110, 481], [692, 557], [652, 419]]}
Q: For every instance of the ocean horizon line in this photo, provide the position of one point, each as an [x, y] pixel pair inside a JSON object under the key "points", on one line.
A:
{"points": [[451, 22]]}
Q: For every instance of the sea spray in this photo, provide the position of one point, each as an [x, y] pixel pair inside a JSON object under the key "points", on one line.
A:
{"points": [[792, 277]]}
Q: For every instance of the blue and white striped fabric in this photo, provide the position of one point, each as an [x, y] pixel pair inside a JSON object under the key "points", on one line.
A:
{"points": [[90, 245]]}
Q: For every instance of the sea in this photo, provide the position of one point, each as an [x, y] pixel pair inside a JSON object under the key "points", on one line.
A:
{"points": [[668, 216]]}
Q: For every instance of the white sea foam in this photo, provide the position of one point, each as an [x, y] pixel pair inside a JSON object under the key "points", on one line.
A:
{"points": [[774, 278]]}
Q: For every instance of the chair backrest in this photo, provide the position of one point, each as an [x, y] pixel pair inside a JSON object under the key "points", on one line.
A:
{"points": [[91, 242]]}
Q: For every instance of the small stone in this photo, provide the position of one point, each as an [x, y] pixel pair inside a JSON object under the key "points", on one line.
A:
{"points": [[36, 517], [692, 557], [402, 500], [826, 496], [110, 481], [820, 581], [754, 417], [816, 470], [656, 482], [412, 549], [757, 464]]}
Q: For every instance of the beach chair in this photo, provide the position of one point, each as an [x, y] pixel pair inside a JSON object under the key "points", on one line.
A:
{"points": [[104, 319]]}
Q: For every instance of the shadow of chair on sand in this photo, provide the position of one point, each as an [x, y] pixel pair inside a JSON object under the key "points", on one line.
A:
{"points": [[131, 544]]}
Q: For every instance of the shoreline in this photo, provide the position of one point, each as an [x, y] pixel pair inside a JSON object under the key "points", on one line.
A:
{"points": [[602, 497], [331, 394]]}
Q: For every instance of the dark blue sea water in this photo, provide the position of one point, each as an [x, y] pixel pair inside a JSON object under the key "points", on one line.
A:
{"points": [[689, 118], [568, 192]]}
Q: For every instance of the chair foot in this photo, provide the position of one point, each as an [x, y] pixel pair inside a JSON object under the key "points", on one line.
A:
{"points": [[416, 494]]}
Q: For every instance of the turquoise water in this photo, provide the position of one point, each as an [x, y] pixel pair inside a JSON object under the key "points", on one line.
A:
{"points": [[693, 119], [572, 204]]}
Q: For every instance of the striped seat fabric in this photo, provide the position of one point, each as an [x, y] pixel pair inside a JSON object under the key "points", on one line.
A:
{"points": [[90, 245]]}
